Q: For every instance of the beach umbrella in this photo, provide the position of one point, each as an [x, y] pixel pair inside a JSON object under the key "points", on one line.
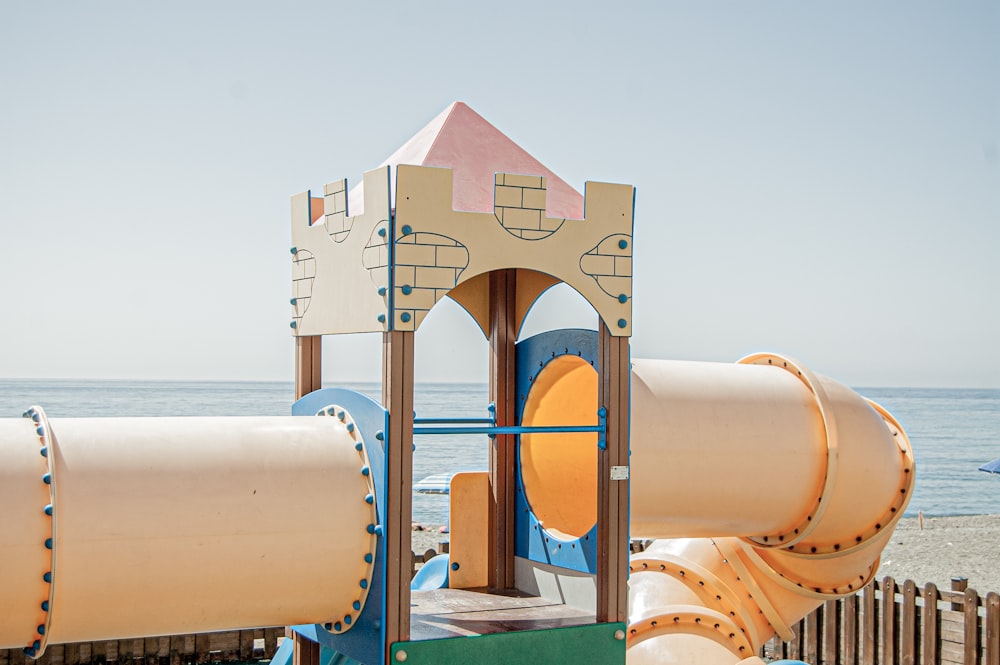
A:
{"points": [[991, 467]]}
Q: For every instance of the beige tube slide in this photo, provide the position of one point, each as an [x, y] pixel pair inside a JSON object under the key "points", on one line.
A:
{"points": [[130, 527], [768, 489]]}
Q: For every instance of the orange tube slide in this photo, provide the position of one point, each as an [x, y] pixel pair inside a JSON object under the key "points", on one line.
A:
{"points": [[773, 488], [130, 527]]}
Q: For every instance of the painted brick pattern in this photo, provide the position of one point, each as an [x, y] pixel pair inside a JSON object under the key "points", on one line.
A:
{"points": [[428, 265], [375, 257], [610, 264], [303, 274], [338, 224], [519, 206]]}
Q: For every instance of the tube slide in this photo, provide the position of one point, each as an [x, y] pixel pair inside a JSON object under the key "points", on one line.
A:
{"points": [[770, 488], [131, 527]]}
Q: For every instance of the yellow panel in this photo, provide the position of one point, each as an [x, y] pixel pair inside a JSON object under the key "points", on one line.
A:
{"points": [[581, 253], [470, 502], [340, 262], [474, 297]]}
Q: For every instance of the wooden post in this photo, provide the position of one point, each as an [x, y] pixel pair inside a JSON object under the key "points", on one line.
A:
{"points": [[614, 370], [397, 397], [308, 365], [503, 335], [306, 652]]}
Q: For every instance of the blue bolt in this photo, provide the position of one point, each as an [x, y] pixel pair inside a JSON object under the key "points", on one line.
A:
{"points": [[407, 229], [378, 529], [294, 300], [602, 412], [407, 289], [45, 606], [47, 577], [622, 298], [356, 605], [26, 414], [28, 651], [370, 528], [341, 414], [337, 626], [380, 435], [381, 232], [40, 431], [36, 645], [328, 626], [347, 619], [455, 566], [381, 318], [622, 323], [492, 408], [44, 452], [365, 471], [413, 446], [293, 324], [48, 543], [350, 427], [47, 479], [358, 446], [294, 250], [369, 498], [35, 416], [363, 584], [369, 558], [48, 510], [405, 316], [622, 244], [41, 629]]}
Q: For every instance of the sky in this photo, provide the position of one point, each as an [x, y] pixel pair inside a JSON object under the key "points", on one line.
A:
{"points": [[820, 180]]}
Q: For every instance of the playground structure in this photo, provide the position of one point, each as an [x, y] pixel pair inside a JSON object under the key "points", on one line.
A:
{"points": [[106, 520]]}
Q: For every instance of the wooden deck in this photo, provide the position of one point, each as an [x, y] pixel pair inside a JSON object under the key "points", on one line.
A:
{"points": [[461, 613]]}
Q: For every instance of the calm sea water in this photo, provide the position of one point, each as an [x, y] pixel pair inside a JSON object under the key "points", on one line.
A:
{"points": [[952, 431]]}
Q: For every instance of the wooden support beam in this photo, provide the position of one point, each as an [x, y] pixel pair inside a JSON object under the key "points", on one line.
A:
{"points": [[614, 369], [308, 365], [306, 652], [397, 397], [503, 336]]}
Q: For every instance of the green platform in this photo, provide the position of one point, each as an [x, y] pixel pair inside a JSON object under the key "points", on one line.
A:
{"points": [[582, 645]]}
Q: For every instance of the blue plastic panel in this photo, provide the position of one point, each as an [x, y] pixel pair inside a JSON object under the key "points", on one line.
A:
{"points": [[531, 540], [363, 642]]}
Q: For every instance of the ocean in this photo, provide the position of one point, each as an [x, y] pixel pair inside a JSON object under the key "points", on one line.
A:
{"points": [[953, 431]]}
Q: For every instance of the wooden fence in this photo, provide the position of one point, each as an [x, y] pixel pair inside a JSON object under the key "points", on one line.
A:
{"points": [[890, 623], [884, 624], [244, 646]]}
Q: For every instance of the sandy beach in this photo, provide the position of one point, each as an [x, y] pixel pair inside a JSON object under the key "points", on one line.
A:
{"points": [[946, 547]]}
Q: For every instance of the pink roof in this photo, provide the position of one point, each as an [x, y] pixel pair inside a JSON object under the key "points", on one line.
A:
{"points": [[461, 139]]}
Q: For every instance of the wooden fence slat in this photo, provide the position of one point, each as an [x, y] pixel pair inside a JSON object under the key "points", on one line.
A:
{"points": [[850, 638], [812, 638], [908, 645], [271, 636], [831, 630], [929, 629], [971, 633], [992, 646], [869, 627], [888, 608]]}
